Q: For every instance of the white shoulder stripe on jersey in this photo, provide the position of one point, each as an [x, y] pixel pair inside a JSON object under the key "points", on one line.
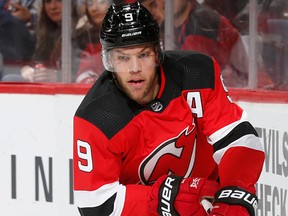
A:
{"points": [[98, 197], [215, 137], [249, 141]]}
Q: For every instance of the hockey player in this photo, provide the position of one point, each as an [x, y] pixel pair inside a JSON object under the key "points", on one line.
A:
{"points": [[158, 134]]}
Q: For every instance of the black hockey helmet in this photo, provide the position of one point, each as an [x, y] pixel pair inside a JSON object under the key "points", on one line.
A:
{"points": [[128, 25]]}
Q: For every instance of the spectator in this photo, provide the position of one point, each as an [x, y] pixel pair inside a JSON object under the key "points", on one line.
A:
{"points": [[16, 43], [214, 35], [271, 40], [46, 64], [91, 67], [227, 8], [157, 8], [26, 11], [273, 31]]}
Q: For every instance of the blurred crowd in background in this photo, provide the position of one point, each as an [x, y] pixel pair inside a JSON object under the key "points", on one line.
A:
{"points": [[31, 38]]}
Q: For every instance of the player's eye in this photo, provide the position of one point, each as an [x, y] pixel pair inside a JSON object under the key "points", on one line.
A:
{"points": [[145, 55], [123, 58]]}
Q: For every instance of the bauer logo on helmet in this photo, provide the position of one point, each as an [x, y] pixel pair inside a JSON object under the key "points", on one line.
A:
{"points": [[131, 34]]}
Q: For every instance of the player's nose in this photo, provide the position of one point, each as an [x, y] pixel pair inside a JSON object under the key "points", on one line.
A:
{"points": [[135, 65]]}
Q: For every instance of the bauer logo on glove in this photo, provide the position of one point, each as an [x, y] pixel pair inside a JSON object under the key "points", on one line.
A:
{"points": [[173, 196], [237, 196]]}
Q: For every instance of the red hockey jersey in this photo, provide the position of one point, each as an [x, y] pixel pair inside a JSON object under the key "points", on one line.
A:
{"points": [[192, 128]]}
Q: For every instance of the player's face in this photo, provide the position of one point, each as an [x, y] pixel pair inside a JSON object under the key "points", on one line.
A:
{"points": [[135, 72]]}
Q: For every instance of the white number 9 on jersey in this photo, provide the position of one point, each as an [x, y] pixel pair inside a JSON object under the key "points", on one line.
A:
{"points": [[85, 154]]}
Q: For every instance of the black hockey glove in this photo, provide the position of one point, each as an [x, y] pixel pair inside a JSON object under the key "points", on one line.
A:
{"points": [[234, 201]]}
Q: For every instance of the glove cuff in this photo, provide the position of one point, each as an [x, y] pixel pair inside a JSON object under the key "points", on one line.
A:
{"points": [[167, 195], [237, 196]]}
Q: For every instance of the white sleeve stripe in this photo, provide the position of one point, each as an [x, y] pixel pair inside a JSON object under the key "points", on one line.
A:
{"points": [[215, 137], [119, 202], [98, 197], [248, 141]]}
